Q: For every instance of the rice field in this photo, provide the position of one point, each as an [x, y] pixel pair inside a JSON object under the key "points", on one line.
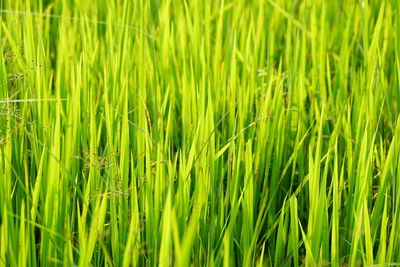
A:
{"points": [[199, 133]]}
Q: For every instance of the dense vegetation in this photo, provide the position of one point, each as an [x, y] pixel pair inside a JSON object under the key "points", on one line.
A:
{"points": [[181, 133]]}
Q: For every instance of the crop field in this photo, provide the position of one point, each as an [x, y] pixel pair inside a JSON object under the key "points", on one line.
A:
{"points": [[199, 133]]}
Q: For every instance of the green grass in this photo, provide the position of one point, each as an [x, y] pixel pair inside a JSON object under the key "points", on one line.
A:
{"points": [[199, 133]]}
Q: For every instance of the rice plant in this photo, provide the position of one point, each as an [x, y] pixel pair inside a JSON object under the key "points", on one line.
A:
{"points": [[199, 133]]}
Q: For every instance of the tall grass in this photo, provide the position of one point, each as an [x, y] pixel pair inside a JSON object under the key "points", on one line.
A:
{"points": [[218, 133]]}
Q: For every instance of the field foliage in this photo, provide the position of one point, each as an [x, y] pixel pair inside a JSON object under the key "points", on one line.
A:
{"points": [[199, 133]]}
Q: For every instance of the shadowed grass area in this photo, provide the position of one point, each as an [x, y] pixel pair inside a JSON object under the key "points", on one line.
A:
{"points": [[199, 133]]}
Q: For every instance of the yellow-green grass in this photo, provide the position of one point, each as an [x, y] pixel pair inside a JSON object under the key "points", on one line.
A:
{"points": [[199, 133]]}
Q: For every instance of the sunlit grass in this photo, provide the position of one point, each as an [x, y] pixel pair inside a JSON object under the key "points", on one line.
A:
{"points": [[199, 133]]}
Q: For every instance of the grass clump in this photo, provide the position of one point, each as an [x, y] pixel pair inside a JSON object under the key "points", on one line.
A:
{"points": [[190, 133]]}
